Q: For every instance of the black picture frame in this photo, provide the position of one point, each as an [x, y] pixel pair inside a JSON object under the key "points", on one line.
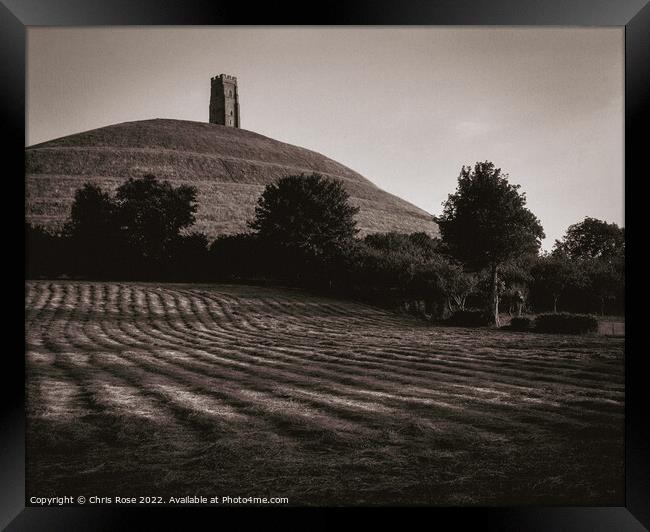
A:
{"points": [[16, 15]]}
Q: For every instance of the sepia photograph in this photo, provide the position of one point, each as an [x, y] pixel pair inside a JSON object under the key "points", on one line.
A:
{"points": [[325, 266]]}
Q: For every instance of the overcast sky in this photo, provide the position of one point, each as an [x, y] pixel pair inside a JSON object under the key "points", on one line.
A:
{"points": [[405, 107]]}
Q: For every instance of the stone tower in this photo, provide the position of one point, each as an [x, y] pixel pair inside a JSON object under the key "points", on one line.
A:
{"points": [[224, 101]]}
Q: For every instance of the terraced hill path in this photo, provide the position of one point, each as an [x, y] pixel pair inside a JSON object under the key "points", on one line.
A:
{"points": [[173, 390], [229, 167]]}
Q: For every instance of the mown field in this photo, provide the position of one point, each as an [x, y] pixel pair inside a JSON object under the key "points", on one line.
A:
{"points": [[174, 390]]}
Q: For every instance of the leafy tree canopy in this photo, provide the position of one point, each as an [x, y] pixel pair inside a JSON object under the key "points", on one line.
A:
{"points": [[309, 214], [135, 232], [414, 245], [485, 221], [553, 273], [93, 214], [152, 213], [592, 238]]}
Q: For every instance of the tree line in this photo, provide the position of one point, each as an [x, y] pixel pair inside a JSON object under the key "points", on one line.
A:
{"points": [[304, 234]]}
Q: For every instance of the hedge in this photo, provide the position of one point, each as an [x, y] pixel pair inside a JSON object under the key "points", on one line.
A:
{"points": [[564, 322], [468, 318], [521, 324]]}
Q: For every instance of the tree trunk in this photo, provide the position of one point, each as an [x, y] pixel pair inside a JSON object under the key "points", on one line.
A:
{"points": [[495, 297], [554, 304]]}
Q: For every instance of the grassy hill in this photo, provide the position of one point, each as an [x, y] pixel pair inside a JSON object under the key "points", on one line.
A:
{"points": [[229, 166], [250, 391]]}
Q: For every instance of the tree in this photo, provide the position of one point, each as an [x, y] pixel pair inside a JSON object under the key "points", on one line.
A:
{"points": [[307, 220], [47, 252], [93, 230], [456, 284], [151, 215], [553, 273], [92, 212], [516, 277], [598, 249], [591, 239], [413, 244], [135, 233], [606, 279], [402, 269], [485, 223]]}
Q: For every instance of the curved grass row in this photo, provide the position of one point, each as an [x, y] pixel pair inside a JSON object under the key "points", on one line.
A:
{"points": [[270, 392]]}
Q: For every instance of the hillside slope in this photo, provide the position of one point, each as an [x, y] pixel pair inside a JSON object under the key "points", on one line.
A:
{"points": [[229, 166]]}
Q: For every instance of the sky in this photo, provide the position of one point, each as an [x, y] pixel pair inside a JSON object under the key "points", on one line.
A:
{"points": [[406, 107]]}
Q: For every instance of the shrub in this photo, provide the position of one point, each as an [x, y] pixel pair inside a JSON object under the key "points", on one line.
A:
{"points": [[521, 324], [468, 318], [238, 256], [47, 253], [564, 322]]}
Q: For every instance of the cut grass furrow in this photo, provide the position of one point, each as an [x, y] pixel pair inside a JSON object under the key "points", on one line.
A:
{"points": [[245, 388], [504, 362], [544, 403], [299, 378]]}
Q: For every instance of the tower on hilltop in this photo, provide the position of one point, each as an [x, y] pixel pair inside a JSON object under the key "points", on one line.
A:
{"points": [[224, 101]]}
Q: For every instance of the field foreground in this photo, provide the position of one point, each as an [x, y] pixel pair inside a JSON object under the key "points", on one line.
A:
{"points": [[177, 390]]}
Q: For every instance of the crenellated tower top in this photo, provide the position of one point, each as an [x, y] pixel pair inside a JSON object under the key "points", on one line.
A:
{"points": [[224, 101]]}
